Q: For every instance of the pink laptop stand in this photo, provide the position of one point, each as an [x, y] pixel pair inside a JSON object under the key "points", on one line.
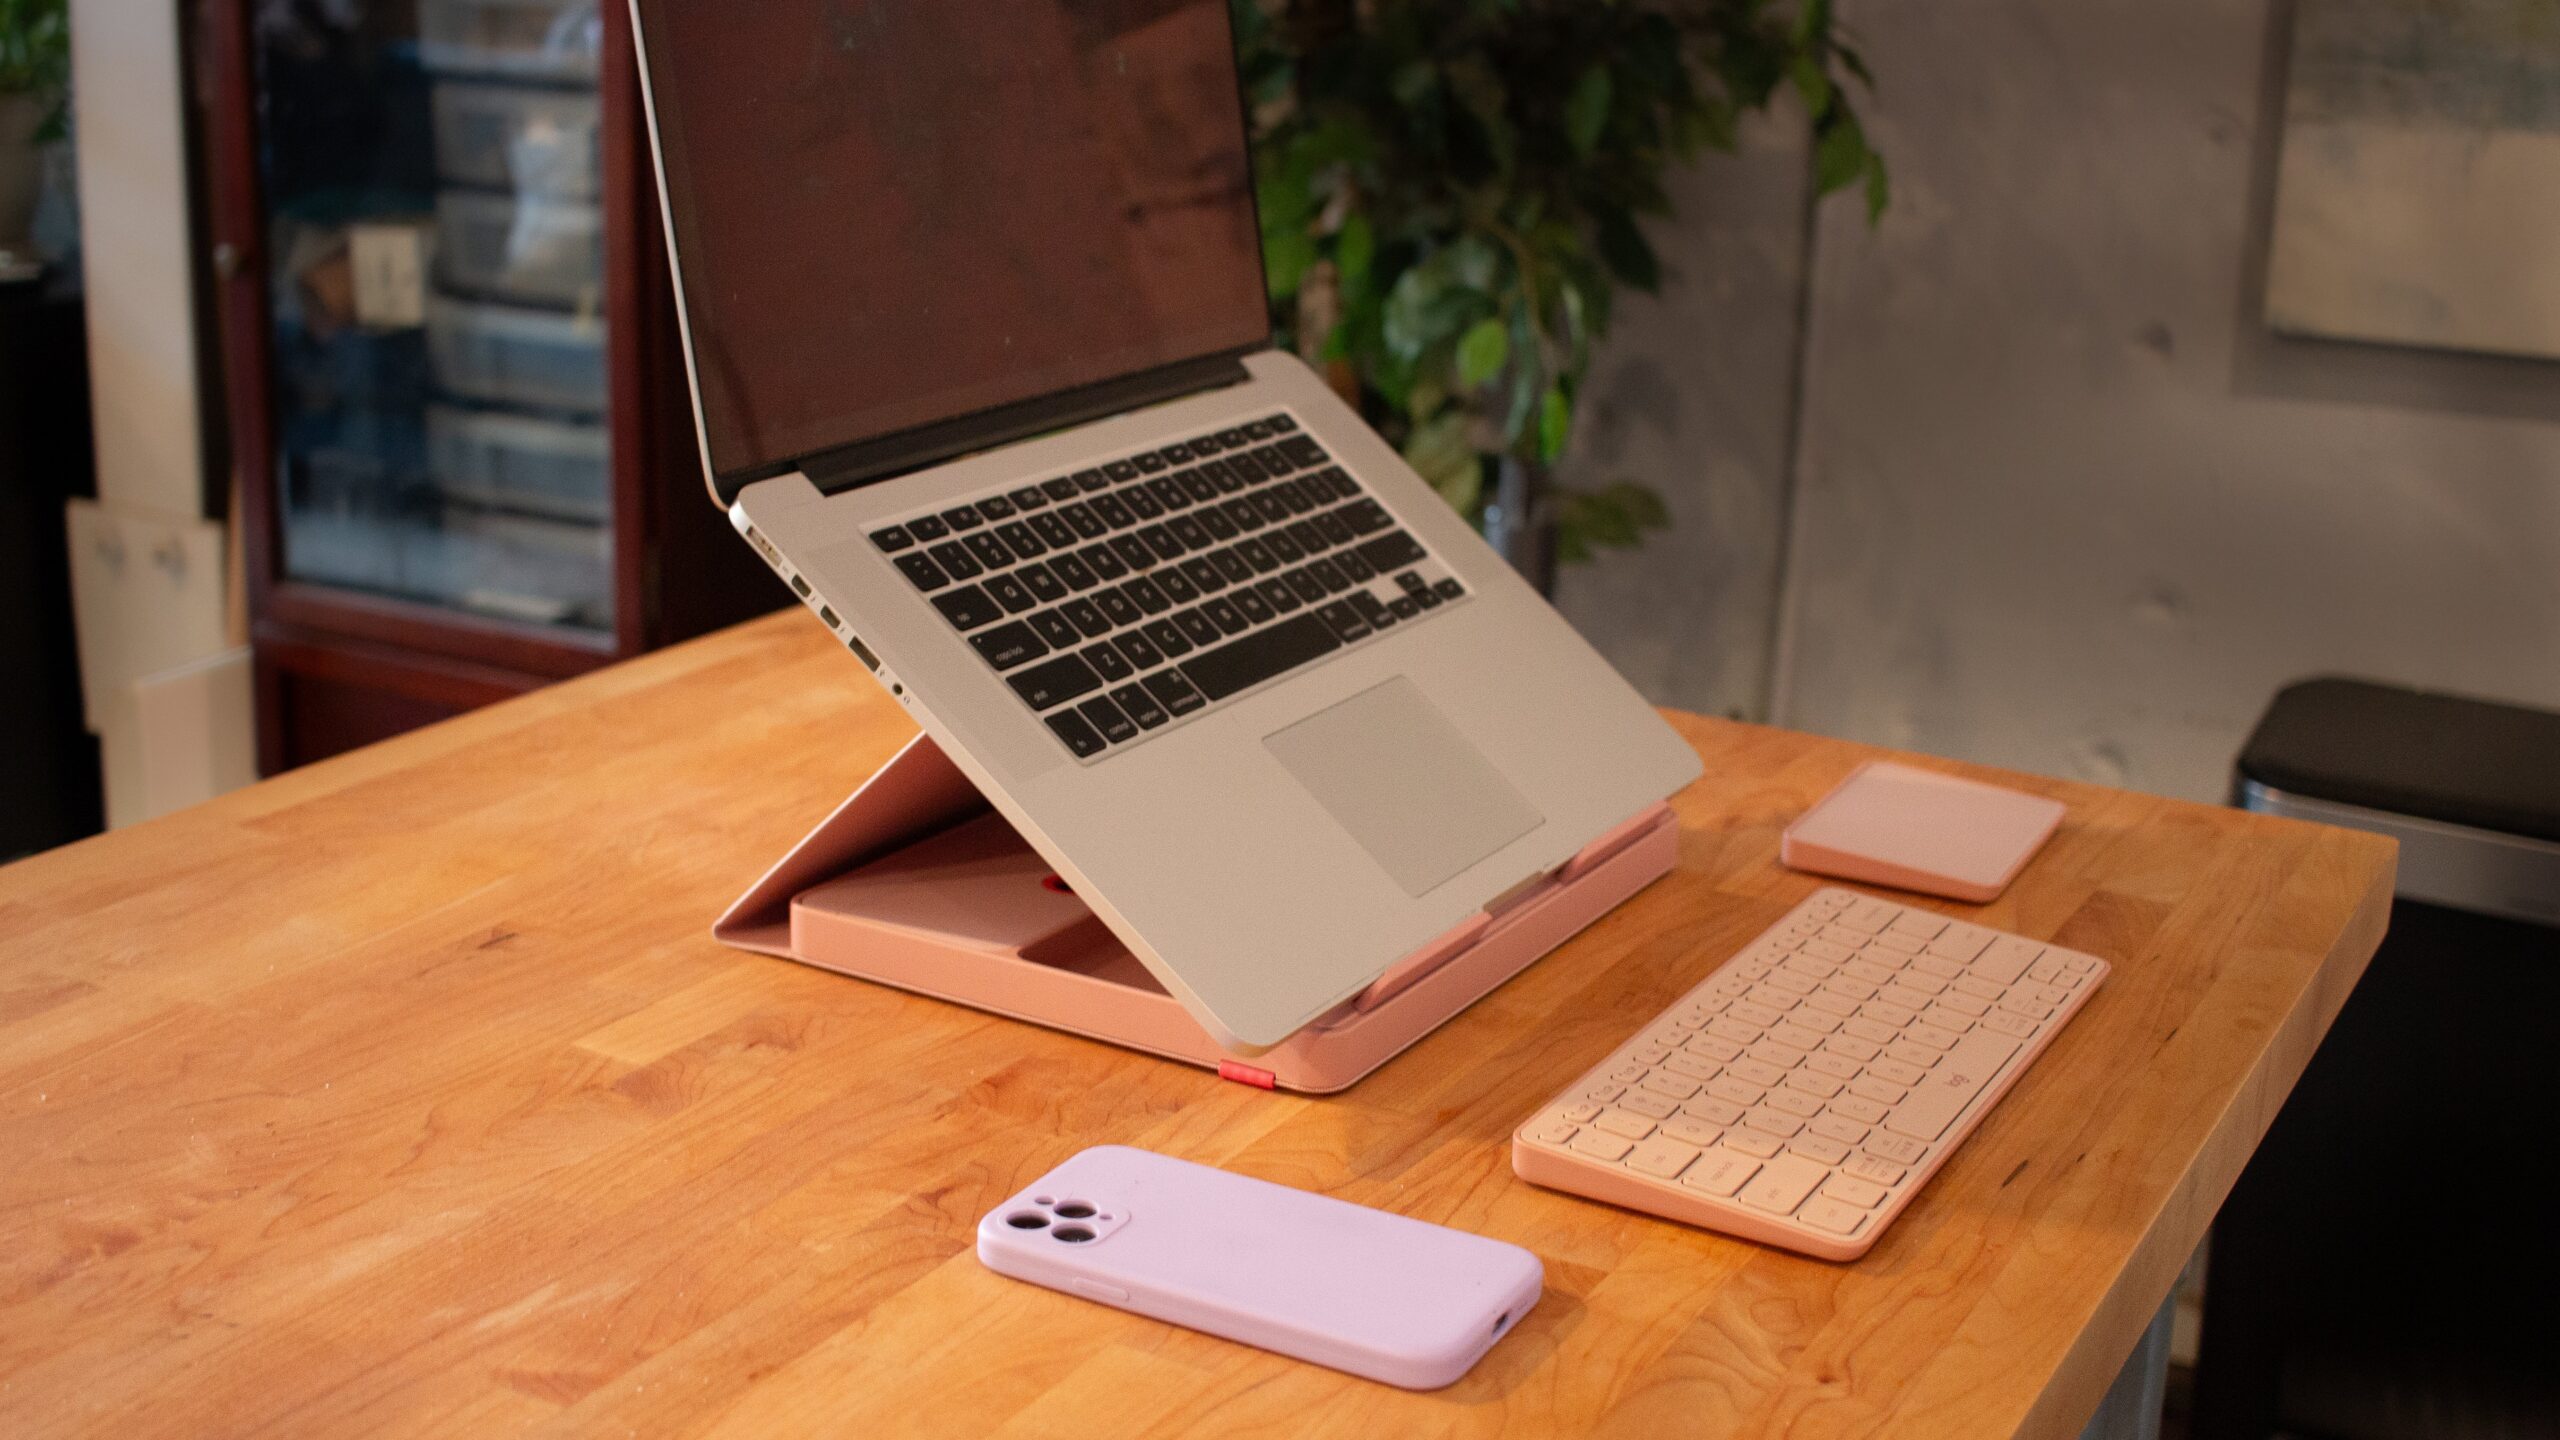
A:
{"points": [[950, 901]]}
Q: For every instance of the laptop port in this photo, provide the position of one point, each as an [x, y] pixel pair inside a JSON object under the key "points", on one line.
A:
{"points": [[800, 587], [827, 617], [862, 652]]}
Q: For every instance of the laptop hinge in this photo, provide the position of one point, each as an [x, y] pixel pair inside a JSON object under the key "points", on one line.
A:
{"points": [[870, 460]]}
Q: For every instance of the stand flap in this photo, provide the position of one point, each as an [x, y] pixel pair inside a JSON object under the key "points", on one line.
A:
{"points": [[916, 794]]}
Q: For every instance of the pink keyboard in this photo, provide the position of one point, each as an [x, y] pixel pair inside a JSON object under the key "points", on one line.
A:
{"points": [[1803, 1093]]}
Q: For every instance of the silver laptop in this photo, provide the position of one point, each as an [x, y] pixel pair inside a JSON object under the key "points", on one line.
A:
{"points": [[973, 310]]}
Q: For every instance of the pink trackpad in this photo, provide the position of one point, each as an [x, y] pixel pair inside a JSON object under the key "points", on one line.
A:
{"points": [[1890, 824]]}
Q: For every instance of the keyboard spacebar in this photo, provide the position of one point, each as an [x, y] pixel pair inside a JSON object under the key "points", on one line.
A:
{"points": [[1259, 656], [1958, 1076]]}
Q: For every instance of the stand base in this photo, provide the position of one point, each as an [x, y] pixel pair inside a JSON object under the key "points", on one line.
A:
{"points": [[916, 883]]}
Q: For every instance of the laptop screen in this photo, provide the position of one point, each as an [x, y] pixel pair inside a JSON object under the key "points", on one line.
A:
{"points": [[895, 212]]}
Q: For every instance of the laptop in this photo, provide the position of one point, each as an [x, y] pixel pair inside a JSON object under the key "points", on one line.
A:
{"points": [[974, 316]]}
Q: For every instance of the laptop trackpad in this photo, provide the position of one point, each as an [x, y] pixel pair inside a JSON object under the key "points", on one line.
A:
{"points": [[1399, 777]]}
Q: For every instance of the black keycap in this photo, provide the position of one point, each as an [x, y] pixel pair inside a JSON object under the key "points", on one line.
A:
{"points": [[1258, 554], [1101, 560], [1241, 513], [1284, 547], [1149, 463], [1353, 566], [1055, 628], [1086, 616], [1255, 608], [1024, 543], [1175, 691], [1073, 570], [1196, 485], [1176, 585], [1140, 706], [963, 517], [1413, 584], [1269, 506], [1405, 607], [1257, 429], [1346, 622], [1318, 491], [1061, 488], [1118, 608], [996, 507], [1069, 726], [1391, 551], [1330, 526], [893, 539], [991, 552], [1303, 581], [1009, 645], [1277, 591], [1048, 587], [1141, 504], [1168, 637], [1081, 519], [1205, 445], [1245, 663], [968, 607], [928, 527], [1056, 532], [1176, 454], [1294, 500], [1160, 540], [1121, 470], [1448, 588], [1141, 651], [1148, 597], [1430, 599], [1344, 487], [1200, 628], [1330, 576], [1217, 522], [1224, 614], [1054, 682], [1309, 538], [1029, 497], [1168, 494], [1372, 609], [1364, 517], [1273, 462], [1232, 565], [1203, 575], [953, 557], [1245, 468], [1089, 481], [1108, 663], [1224, 480], [1114, 511], [922, 572], [1230, 439], [1303, 451], [1188, 530], [1106, 717], [1133, 552], [1012, 594], [1281, 424]]}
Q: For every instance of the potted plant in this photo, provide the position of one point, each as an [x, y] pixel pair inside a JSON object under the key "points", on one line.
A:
{"points": [[35, 78], [1453, 191]]}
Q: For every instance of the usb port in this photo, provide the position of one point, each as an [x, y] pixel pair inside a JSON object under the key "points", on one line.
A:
{"points": [[800, 586], [828, 618]]}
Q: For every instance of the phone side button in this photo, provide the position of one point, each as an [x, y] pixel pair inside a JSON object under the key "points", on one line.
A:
{"points": [[1096, 1290]]}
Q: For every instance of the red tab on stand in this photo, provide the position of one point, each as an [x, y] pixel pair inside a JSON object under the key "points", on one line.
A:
{"points": [[1244, 1074]]}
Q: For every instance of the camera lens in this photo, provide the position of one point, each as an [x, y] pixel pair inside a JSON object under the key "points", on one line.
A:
{"points": [[1075, 1210], [1072, 1234], [1026, 1220]]}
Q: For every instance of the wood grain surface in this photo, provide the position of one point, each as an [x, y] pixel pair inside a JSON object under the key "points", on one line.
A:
{"points": [[407, 1094]]}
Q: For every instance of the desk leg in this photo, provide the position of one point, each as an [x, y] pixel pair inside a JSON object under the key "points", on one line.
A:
{"points": [[2131, 1409]]}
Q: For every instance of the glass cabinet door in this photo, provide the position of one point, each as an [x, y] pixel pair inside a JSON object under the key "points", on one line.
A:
{"points": [[429, 172]]}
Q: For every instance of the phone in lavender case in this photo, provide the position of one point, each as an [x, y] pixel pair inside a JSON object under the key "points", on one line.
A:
{"points": [[1398, 1300]]}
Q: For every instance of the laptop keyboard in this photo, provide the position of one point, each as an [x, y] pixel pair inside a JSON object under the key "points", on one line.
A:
{"points": [[1120, 599]]}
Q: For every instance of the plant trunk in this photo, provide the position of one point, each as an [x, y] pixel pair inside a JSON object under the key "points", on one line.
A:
{"points": [[21, 167], [1520, 522]]}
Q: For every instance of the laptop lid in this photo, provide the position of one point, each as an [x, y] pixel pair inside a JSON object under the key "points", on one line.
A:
{"points": [[904, 231]]}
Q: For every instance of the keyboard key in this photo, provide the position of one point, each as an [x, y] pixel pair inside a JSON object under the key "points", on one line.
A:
{"points": [[1224, 614], [893, 539], [1108, 719], [963, 517], [1109, 663], [1160, 539], [1141, 651], [1019, 538], [1391, 551], [1365, 517], [1147, 596], [1199, 628], [1138, 705], [955, 560], [1624, 1123], [1086, 616], [1119, 608], [1148, 463], [1103, 561], [1231, 565], [1012, 594], [1205, 445], [968, 608], [1176, 585], [1346, 622], [1203, 575], [1082, 520], [1848, 1191], [1169, 494], [1277, 592], [1057, 630], [1405, 606], [1280, 424], [1934, 1104], [1253, 606], [1133, 552], [1168, 637], [1121, 470], [1188, 530], [1054, 532], [1242, 515], [1009, 645], [1303, 451], [1720, 1171], [1175, 692], [1081, 737], [1241, 664], [1061, 488], [1141, 504], [1044, 585], [928, 527], [1831, 1215], [1114, 512], [1602, 1147], [1029, 497], [996, 507], [1089, 481], [1054, 682], [1782, 1184], [922, 572], [1661, 1157]]}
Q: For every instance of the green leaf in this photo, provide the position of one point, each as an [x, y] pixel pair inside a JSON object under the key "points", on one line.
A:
{"points": [[1354, 246], [1555, 424], [1840, 153], [1813, 21], [1482, 351], [1588, 111], [1285, 259], [1814, 84], [1879, 189]]}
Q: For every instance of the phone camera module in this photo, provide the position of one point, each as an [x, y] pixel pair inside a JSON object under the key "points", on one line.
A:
{"points": [[1073, 1234], [1075, 1210], [1027, 1220]]}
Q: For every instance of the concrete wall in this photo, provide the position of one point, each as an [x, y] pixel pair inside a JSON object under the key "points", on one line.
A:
{"points": [[2057, 501]]}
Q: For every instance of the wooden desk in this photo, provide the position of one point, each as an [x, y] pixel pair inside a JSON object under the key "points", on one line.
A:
{"points": [[407, 1094]]}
